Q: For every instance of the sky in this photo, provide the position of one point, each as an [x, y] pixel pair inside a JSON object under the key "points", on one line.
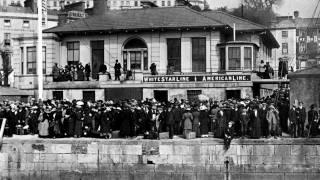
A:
{"points": [[305, 7]]}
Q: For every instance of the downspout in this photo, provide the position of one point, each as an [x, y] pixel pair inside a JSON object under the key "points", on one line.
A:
{"points": [[3, 124]]}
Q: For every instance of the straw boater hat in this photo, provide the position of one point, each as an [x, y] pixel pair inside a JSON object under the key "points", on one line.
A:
{"points": [[203, 107]]}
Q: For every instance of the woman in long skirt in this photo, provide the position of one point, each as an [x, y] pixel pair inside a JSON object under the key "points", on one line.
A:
{"points": [[187, 124]]}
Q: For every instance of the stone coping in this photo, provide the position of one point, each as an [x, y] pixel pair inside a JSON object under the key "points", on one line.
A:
{"points": [[198, 141]]}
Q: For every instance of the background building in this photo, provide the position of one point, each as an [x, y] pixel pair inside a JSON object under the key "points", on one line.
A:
{"points": [[17, 22]]}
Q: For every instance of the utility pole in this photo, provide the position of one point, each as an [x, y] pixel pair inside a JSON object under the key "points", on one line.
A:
{"points": [[39, 52]]}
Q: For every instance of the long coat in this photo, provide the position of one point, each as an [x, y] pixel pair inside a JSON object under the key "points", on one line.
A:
{"points": [[188, 118], [204, 122], [195, 123], [221, 123], [106, 119], [256, 124], [126, 124], [78, 123]]}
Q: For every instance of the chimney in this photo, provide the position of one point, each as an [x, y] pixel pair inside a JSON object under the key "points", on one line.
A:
{"points": [[296, 14], [100, 7]]}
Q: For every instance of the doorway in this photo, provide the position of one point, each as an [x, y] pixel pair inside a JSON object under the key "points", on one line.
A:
{"points": [[89, 96], [233, 94], [97, 48], [161, 96]]}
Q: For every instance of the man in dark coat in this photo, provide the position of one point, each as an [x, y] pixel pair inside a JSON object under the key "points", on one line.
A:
{"points": [[293, 121], [313, 121], [235, 118], [87, 70], [117, 70], [12, 120], [170, 122], [177, 119], [263, 118], [255, 122], [301, 118]]}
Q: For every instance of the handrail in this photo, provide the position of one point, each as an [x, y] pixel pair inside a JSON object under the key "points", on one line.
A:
{"points": [[3, 124]]}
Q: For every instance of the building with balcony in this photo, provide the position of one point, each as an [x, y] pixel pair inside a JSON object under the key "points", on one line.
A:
{"points": [[195, 53], [18, 22]]}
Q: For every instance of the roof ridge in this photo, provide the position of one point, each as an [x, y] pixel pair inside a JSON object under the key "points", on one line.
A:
{"points": [[262, 26], [200, 13]]}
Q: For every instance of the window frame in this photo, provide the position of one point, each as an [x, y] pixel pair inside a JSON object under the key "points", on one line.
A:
{"points": [[234, 68], [33, 60], [24, 24], [74, 51], [284, 34]]}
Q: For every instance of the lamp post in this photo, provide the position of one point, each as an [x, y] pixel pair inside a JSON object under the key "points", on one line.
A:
{"points": [[39, 52], [5, 53]]}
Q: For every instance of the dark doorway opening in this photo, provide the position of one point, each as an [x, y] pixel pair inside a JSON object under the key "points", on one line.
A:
{"points": [[256, 90], [193, 95], [233, 94], [117, 94], [89, 96], [97, 53], [161, 96], [57, 95]]}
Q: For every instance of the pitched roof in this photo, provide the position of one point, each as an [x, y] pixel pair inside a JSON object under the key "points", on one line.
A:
{"points": [[305, 73], [136, 19], [226, 18]]}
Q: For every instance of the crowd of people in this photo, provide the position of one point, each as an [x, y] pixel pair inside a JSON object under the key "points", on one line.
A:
{"points": [[222, 119], [73, 72]]}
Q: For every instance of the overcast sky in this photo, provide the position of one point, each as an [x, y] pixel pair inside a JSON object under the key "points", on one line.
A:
{"points": [[305, 7]]}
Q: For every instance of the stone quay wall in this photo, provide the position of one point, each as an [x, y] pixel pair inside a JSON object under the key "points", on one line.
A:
{"points": [[198, 159]]}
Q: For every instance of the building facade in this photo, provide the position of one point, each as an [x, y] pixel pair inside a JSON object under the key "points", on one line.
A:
{"points": [[18, 22], [194, 54]]}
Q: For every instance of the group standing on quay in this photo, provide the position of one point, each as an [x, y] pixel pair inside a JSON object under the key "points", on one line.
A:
{"points": [[226, 119]]}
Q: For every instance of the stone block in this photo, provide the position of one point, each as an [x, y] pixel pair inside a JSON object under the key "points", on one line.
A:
{"points": [[27, 166], [263, 160], [156, 159], [244, 150], [282, 150], [131, 149], [162, 176], [66, 166], [253, 176], [174, 159], [61, 148], [164, 135], [294, 160], [181, 149], [129, 159], [296, 176], [313, 176], [164, 168], [110, 158], [140, 176], [209, 176], [191, 159], [87, 158], [93, 148], [110, 149], [115, 175], [3, 161], [263, 150], [165, 149], [267, 168], [66, 158], [79, 148]]}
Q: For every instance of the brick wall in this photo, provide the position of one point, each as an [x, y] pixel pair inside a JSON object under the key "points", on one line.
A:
{"points": [[167, 159]]}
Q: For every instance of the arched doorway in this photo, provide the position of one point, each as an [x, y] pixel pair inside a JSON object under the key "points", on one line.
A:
{"points": [[135, 55]]}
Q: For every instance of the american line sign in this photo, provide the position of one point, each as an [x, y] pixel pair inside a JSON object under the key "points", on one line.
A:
{"points": [[197, 78]]}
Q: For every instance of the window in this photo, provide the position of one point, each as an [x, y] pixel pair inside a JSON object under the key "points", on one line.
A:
{"points": [[198, 54], [7, 38], [247, 58], [135, 3], [128, 3], [26, 24], [32, 60], [135, 60], [193, 94], [55, 3], [234, 58], [174, 55], [7, 22], [169, 3], [22, 59], [222, 59], [73, 52], [163, 3], [284, 48], [284, 34]]}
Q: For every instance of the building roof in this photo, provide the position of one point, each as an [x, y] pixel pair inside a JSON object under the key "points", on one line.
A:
{"points": [[15, 9], [138, 19], [306, 73], [241, 24]]}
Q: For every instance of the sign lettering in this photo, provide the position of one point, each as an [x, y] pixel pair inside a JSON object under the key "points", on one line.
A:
{"points": [[198, 78]]}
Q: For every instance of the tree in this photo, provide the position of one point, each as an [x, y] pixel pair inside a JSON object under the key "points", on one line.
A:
{"points": [[258, 11]]}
